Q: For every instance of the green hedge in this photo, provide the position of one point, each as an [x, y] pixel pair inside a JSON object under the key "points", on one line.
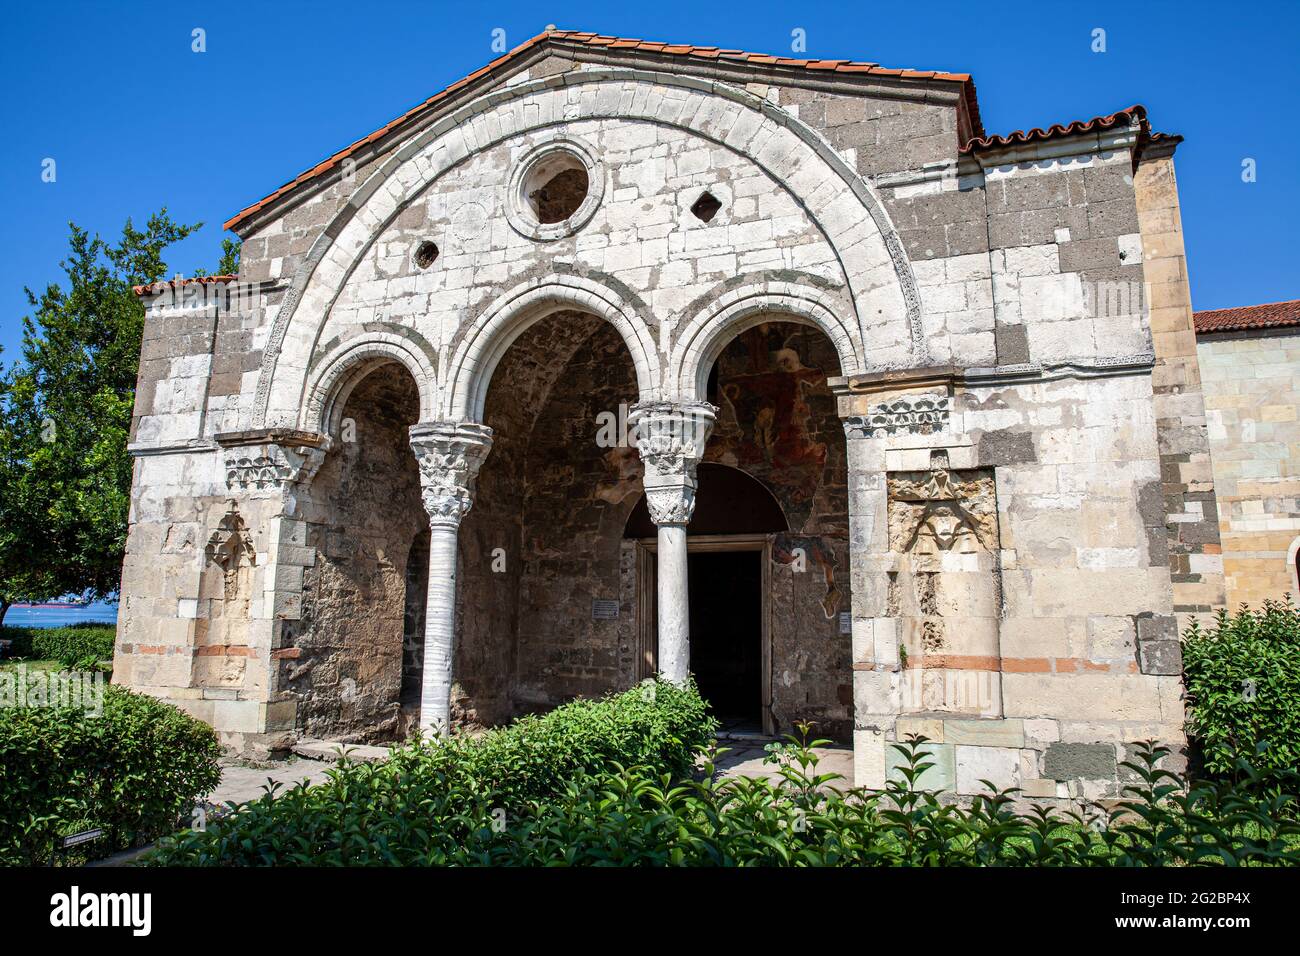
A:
{"points": [[135, 769], [423, 804], [71, 646], [647, 817], [1243, 690]]}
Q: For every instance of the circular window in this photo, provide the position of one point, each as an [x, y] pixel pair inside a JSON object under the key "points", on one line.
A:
{"points": [[555, 189]]}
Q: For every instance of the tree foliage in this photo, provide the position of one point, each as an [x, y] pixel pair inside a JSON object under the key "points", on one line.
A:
{"points": [[65, 417]]}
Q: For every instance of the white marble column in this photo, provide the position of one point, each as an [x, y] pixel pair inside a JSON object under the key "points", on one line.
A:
{"points": [[450, 455], [671, 439]]}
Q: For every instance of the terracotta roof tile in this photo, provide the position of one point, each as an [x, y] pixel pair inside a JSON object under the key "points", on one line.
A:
{"points": [[178, 283], [978, 141], [1124, 117], [566, 37], [1272, 315]]}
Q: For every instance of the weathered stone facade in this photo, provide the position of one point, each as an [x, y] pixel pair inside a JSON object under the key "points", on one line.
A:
{"points": [[932, 349], [1252, 397]]}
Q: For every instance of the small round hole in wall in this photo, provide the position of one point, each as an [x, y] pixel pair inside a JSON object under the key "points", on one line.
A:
{"points": [[425, 254]]}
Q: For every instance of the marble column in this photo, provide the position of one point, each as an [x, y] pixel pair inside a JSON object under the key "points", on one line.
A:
{"points": [[450, 455], [671, 438]]}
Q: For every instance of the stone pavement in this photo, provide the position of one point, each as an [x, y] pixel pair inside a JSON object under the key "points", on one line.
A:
{"points": [[744, 758], [312, 758], [241, 782]]}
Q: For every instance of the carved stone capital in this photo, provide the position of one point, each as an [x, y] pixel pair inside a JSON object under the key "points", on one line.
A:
{"points": [[277, 462], [671, 439], [450, 455]]}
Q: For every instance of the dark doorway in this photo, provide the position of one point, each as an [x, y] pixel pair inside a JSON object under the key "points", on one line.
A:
{"points": [[727, 634]]}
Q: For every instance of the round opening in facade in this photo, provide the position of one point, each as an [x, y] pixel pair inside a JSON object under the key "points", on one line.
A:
{"points": [[555, 189]]}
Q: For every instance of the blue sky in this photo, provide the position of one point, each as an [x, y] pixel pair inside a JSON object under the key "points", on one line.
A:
{"points": [[135, 120]]}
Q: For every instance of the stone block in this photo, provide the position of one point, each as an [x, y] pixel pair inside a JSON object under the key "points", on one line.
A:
{"points": [[940, 775], [992, 732], [1038, 788], [998, 765], [1160, 657], [869, 762], [931, 728], [1006, 447], [1064, 761]]}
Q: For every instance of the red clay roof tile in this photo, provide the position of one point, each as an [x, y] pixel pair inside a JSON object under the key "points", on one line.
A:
{"points": [[1271, 315], [178, 283], [977, 140]]}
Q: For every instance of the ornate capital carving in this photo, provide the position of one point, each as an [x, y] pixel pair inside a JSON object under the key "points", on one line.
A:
{"points": [[450, 455], [909, 415], [272, 465], [671, 438]]}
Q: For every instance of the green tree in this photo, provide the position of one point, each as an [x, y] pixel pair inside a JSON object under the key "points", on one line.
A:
{"points": [[65, 416], [228, 264]]}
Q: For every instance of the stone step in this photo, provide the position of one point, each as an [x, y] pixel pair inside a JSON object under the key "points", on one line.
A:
{"points": [[329, 750]]}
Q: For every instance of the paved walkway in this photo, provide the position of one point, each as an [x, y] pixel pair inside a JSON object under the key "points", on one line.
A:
{"points": [[242, 783], [745, 759], [313, 758]]}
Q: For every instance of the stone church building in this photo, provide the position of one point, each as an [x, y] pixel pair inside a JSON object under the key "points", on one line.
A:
{"points": [[619, 358]]}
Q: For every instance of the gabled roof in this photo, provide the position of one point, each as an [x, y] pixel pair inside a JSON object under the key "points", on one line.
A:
{"points": [[1272, 315], [571, 39], [971, 133]]}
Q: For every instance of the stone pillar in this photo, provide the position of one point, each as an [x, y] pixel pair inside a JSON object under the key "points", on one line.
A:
{"points": [[671, 439], [450, 455], [877, 673], [268, 476]]}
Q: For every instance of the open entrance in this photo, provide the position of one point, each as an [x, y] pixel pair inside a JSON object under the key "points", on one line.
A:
{"points": [[729, 551], [727, 634]]}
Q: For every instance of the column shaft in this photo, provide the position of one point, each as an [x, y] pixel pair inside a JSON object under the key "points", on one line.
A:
{"points": [[674, 605], [439, 630]]}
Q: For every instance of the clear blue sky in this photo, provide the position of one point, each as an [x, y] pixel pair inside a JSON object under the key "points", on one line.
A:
{"points": [[136, 120]]}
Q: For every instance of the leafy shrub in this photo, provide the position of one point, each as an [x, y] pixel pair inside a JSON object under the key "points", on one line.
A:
{"points": [[421, 805], [648, 817], [1243, 689], [134, 770], [68, 645], [636, 818]]}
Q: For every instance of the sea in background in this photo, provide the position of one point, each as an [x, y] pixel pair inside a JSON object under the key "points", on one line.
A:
{"points": [[101, 612]]}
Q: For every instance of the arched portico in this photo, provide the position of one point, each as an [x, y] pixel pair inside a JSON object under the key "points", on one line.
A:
{"points": [[337, 372], [712, 328], [869, 258]]}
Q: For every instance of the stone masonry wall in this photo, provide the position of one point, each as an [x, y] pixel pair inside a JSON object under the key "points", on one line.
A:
{"points": [[1087, 655], [1195, 559], [366, 512], [1251, 380]]}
